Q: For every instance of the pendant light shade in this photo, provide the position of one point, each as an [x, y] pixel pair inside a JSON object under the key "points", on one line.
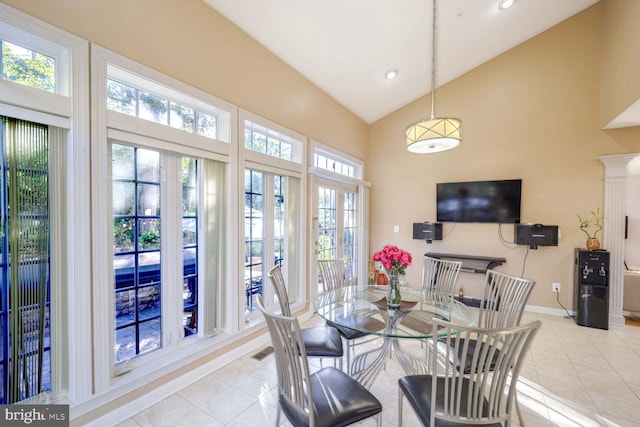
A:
{"points": [[436, 134], [432, 136]]}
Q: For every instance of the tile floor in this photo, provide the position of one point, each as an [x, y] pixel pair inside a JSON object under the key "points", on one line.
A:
{"points": [[574, 376]]}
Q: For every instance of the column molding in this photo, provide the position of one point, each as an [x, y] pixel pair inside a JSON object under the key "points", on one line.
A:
{"points": [[615, 208]]}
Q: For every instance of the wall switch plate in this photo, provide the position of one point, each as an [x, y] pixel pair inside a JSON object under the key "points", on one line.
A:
{"points": [[396, 228]]}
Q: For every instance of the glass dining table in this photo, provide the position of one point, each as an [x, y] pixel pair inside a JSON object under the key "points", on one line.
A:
{"points": [[353, 307]]}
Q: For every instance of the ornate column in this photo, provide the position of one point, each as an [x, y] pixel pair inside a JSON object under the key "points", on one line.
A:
{"points": [[615, 208]]}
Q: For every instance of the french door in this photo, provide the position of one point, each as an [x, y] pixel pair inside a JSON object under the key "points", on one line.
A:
{"points": [[337, 225]]}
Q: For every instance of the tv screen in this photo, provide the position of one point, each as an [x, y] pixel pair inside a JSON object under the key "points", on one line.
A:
{"points": [[479, 201]]}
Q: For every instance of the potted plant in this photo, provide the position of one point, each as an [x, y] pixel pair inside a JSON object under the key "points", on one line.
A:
{"points": [[591, 224]]}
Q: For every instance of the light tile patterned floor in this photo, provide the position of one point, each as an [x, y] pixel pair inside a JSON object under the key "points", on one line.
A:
{"points": [[574, 376]]}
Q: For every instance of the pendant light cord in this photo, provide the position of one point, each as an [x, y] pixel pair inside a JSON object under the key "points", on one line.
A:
{"points": [[433, 64]]}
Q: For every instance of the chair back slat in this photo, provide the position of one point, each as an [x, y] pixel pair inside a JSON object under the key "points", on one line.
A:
{"points": [[277, 280], [504, 298], [294, 381], [334, 273], [439, 276], [485, 394]]}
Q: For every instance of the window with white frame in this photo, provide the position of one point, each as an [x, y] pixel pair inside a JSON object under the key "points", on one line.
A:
{"points": [[27, 66], [338, 163], [138, 216], [44, 103], [164, 148], [139, 103], [273, 210], [268, 141]]}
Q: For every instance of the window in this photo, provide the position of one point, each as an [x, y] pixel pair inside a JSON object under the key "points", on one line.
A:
{"points": [[328, 237], [273, 211], [136, 251], [261, 240], [25, 367], [350, 227], [259, 138], [162, 159], [254, 234], [332, 165], [137, 260], [45, 98], [190, 245], [27, 67], [145, 105], [337, 223], [338, 163]]}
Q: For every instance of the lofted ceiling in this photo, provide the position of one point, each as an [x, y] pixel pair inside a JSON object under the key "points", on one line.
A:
{"points": [[345, 47]]}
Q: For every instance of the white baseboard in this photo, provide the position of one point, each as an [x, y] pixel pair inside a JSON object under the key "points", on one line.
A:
{"points": [[548, 310]]}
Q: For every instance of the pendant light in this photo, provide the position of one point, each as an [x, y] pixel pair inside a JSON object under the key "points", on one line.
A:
{"points": [[436, 134]]}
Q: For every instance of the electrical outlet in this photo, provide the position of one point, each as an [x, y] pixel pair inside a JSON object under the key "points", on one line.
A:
{"points": [[555, 287]]}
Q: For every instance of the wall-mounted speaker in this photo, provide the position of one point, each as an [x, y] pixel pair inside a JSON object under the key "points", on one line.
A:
{"points": [[427, 231], [535, 235]]}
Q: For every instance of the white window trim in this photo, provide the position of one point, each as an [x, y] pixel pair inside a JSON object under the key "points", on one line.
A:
{"points": [[175, 139], [332, 153], [31, 34], [25, 102], [145, 78], [298, 143], [71, 363], [103, 60], [250, 159], [317, 177], [204, 103]]}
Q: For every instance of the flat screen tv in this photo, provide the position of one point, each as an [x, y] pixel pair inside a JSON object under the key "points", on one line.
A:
{"points": [[479, 201]]}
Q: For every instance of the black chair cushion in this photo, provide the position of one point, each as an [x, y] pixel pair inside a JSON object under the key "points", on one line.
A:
{"points": [[358, 322], [338, 400], [442, 351], [417, 389], [322, 341]]}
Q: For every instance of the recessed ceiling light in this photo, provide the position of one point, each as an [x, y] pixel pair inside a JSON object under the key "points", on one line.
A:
{"points": [[506, 4], [391, 74]]}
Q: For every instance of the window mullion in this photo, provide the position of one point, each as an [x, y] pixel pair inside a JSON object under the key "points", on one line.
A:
{"points": [[269, 244], [340, 223]]}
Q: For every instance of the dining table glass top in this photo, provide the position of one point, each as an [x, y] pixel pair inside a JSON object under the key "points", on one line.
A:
{"points": [[361, 308]]}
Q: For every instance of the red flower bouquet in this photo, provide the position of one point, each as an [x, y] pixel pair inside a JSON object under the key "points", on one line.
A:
{"points": [[394, 259]]}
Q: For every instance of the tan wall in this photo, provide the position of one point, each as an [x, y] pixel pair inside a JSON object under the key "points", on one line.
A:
{"points": [[621, 63], [531, 113], [188, 40]]}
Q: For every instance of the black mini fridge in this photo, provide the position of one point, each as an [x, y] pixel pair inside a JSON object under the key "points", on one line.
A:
{"points": [[592, 288]]}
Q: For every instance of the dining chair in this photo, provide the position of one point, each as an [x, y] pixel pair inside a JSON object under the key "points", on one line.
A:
{"points": [[504, 298], [484, 396], [335, 273], [439, 276], [320, 341], [327, 398]]}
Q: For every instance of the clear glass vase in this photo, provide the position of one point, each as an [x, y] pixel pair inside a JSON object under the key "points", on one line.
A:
{"points": [[393, 291]]}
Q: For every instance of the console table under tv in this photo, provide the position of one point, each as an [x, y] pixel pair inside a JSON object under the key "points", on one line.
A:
{"points": [[470, 263]]}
